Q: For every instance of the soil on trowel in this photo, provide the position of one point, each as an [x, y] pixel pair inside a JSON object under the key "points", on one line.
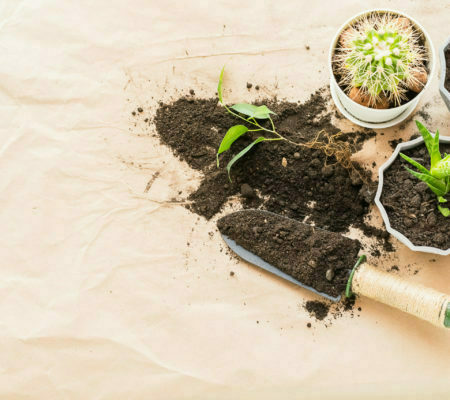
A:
{"points": [[294, 181], [411, 205], [315, 257]]}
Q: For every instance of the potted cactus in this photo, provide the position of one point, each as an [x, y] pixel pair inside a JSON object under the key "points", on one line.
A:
{"points": [[380, 62]]}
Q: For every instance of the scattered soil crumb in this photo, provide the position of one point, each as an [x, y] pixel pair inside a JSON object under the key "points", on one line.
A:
{"points": [[151, 181], [424, 114], [317, 309], [393, 143]]}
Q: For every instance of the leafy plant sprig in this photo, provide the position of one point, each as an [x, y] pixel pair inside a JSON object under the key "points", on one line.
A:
{"points": [[250, 114], [438, 176]]}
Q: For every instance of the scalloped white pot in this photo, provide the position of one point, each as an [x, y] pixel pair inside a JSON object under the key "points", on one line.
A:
{"points": [[442, 90], [365, 115], [402, 238]]}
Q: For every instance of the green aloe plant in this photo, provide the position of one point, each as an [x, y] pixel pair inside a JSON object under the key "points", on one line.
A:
{"points": [[438, 176]]}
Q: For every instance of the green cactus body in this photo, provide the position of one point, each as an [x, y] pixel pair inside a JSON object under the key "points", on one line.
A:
{"points": [[381, 56], [379, 61]]}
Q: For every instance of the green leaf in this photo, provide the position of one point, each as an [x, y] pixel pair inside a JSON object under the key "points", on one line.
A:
{"points": [[444, 211], [241, 153], [219, 86], [428, 139], [441, 199], [435, 153], [261, 112], [437, 186], [244, 108], [230, 137], [415, 163], [442, 169]]}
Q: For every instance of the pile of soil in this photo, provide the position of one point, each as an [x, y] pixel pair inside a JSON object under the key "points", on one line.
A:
{"points": [[447, 69], [317, 258], [411, 205], [295, 181], [308, 185]]}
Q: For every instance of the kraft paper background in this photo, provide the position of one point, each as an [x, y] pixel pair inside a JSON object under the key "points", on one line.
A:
{"points": [[100, 295]]}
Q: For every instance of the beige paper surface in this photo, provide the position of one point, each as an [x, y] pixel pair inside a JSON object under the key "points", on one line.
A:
{"points": [[100, 295]]}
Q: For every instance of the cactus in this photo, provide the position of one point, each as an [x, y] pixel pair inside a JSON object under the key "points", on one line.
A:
{"points": [[381, 56]]}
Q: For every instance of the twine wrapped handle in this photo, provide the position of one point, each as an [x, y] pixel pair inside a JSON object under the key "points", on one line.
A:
{"points": [[425, 303]]}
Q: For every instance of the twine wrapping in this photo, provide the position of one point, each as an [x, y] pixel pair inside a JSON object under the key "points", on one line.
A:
{"points": [[425, 303]]}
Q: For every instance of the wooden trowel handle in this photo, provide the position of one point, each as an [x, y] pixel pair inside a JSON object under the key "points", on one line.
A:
{"points": [[412, 298]]}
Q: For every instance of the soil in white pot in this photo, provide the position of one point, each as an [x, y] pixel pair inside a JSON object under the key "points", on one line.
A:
{"points": [[412, 206]]}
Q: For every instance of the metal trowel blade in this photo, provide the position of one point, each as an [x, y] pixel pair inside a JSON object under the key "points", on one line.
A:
{"points": [[258, 261]]}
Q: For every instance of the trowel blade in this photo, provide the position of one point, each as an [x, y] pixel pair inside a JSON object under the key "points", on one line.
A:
{"points": [[258, 261]]}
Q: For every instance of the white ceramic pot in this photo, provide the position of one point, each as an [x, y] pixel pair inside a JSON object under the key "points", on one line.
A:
{"points": [[370, 117], [442, 90], [400, 236]]}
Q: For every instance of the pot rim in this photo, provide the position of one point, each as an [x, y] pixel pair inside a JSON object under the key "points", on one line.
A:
{"points": [[430, 48], [400, 236], [442, 87]]}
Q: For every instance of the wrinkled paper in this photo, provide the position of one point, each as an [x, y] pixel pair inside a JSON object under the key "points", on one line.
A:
{"points": [[101, 297]]}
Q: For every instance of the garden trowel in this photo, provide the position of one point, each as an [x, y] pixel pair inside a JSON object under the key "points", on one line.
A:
{"points": [[273, 243]]}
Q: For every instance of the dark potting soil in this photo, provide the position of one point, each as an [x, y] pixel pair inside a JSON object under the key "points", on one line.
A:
{"points": [[447, 69], [412, 206], [309, 185], [317, 258], [318, 309]]}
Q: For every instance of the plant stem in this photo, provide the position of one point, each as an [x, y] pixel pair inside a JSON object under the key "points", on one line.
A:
{"points": [[271, 122], [252, 121]]}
